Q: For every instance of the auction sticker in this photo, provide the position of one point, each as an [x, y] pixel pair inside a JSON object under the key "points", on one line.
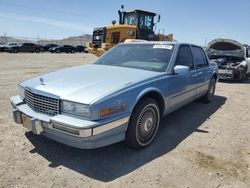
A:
{"points": [[163, 46]]}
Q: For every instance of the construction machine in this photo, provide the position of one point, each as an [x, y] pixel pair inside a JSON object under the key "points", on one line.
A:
{"points": [[133, 25]]}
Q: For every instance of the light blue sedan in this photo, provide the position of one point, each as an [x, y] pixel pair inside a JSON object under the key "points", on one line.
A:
{"points": [[122, 96]]}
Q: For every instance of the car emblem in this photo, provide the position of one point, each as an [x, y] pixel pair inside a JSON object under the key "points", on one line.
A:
{"points": [[42, 81]]}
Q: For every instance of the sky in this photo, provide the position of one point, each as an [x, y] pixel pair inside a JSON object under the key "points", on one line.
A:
{"points": [[193, 21]]}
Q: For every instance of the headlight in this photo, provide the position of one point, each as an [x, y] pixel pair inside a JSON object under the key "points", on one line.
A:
{"points": [[75, 108], [117, 108], [21, 91]]}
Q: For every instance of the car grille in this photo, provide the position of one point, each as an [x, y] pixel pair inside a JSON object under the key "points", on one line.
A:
{"points": [[99, 35], [42, 104]]}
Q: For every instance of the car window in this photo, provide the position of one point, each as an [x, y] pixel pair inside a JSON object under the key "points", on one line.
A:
{"points": [[199, 57], [184, 57]]}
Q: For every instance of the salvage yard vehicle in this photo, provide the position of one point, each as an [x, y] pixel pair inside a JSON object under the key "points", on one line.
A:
{"points": [[136, 24], [232, 59], [63, 48], [24, 47], [122, 96], [46, 47], [81, 48], [6, 45]]}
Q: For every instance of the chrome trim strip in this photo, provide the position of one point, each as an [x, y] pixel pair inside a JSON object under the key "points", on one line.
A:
{"points": [[111, 125], [82, 133], [15, 101]]}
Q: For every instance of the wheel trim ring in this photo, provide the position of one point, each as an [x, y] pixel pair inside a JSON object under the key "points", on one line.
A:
{"points": [[156, 124], [145, 131]]}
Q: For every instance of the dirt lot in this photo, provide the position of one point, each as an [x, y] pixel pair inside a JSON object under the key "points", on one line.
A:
{"points": [[198, 146]]}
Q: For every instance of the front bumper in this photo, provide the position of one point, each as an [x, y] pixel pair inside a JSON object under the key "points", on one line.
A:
{"points": [[226, 74], [69, 130]]}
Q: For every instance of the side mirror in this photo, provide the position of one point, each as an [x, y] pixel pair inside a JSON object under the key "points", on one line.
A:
{"points": [[181, 69]]}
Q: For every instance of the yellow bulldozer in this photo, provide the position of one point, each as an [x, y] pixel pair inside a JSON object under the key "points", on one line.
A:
{"points": [[133, 25]]}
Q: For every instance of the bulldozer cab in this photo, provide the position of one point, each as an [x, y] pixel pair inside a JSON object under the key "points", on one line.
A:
{"points": [[143, 20]]}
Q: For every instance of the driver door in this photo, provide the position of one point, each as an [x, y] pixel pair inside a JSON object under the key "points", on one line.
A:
{"points": [[183, 86]]}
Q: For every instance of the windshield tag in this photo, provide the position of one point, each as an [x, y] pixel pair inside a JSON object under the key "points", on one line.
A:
{"points": [[168, 47]]}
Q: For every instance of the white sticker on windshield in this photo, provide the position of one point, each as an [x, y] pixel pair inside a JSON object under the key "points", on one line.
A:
{"points": [[163, 46]]}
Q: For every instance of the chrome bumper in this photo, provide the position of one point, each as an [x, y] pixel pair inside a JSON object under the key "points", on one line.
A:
{"points": [[65, 126]]}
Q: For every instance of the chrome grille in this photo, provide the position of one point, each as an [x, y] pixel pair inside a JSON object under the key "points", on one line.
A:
{"points": [[41, 104]]}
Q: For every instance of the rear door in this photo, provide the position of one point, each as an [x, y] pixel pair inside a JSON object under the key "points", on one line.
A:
{"points": [[67, 48], [203, 70]]}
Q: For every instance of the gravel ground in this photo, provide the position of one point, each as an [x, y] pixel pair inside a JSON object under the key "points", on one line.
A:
{"points": [[200, 145]]}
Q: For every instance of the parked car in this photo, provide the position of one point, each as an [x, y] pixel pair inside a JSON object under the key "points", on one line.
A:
{"points": [[46, 47], [24, 47], [122, 96], [63, 48], [7, 45], [81, 49], [231, 57]]}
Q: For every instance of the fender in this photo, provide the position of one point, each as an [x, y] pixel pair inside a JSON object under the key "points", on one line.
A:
{"points": [[145, 92]]}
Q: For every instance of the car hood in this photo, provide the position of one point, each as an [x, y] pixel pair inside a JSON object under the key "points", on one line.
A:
{"points": [[87, 83], [225, 47]]}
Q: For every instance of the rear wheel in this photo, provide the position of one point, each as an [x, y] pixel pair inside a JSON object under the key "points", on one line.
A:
{"points": [[208, 97], [143, 124], [15, 50]]}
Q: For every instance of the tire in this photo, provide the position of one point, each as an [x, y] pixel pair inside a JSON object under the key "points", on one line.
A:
{"points": [[243, 76], [143, 124], [15, 51], [37, 51], [208, 97]]}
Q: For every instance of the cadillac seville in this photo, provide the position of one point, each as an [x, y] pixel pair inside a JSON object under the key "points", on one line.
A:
{"points": [[120, 97]]}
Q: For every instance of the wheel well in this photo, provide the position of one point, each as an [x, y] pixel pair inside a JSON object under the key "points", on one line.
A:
{"points": [[158, 98]]}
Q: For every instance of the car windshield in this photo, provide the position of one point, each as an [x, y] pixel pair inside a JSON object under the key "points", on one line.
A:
{"points": [[154, 57]]}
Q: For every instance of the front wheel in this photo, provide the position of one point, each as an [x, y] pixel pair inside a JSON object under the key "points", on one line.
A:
{"points": [[208, 97], [143, 124], [243, 76]]}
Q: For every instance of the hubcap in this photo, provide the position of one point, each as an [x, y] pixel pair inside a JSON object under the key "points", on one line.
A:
{"points": [[147, 124]]}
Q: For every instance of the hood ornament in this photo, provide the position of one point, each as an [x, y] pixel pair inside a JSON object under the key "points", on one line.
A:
{"points": [[42, 81]]}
